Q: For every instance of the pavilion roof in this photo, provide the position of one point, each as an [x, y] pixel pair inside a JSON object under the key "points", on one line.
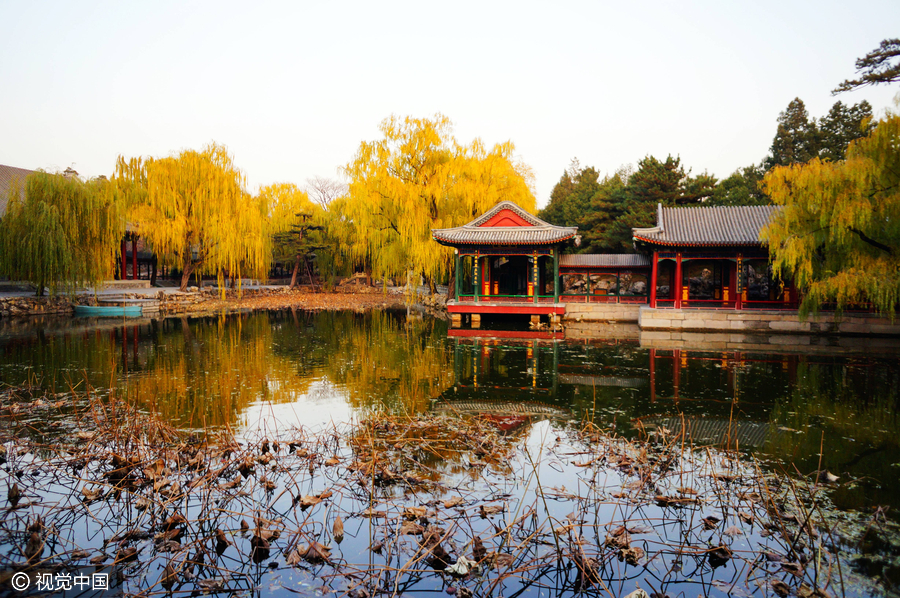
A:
{"points": [[504, 224], [7, 175], [707, 225]]}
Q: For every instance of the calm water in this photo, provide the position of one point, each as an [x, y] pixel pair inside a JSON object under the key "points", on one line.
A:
{"points": [[263, 374], [280, 368]]}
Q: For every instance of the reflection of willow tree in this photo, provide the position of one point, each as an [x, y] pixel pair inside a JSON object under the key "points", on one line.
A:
{"points": [[855, 406], [61, 362], [207, 371], [378, 358]]}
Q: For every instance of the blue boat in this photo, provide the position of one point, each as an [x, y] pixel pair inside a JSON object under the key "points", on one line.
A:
{"points": [[109, 311]]}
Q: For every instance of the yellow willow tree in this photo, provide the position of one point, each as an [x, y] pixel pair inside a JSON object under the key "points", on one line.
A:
{"points": [[416, 178], [838, 233], [194, 212], [62, 234], [295, 224]]}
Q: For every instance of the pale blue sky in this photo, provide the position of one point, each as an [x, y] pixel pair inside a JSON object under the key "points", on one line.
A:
{"points": [[292, 88]]}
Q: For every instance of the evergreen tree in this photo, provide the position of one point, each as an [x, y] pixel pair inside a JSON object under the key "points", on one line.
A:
{"points": [[842, 125], [796, 138], [881, 65], [626, 201], [741, 188]]}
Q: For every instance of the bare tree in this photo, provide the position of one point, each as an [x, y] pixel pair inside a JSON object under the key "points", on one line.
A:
{"points": [[322, 190]]}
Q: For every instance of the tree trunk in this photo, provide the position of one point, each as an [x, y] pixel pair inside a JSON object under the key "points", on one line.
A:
{"points": [[186, 274], [153, 271], [296, 270], [451, 288]]}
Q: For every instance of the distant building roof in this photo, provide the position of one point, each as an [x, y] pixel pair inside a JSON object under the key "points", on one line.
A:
{"points": [[604, 260], [7, 175], [702, 225], [504, 224]]}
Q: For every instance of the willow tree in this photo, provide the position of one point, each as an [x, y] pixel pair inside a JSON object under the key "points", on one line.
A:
{"points": [[194, 212], [838, 233], [416, 178], [62, 234], [295, 223]]}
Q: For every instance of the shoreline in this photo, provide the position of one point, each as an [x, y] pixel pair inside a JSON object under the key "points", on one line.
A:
{"points": [[209, 300]]}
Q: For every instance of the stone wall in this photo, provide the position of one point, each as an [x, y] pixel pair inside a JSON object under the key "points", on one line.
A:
{"points": [[667, 322], [803, 343], [601, 312], [34, 306]]}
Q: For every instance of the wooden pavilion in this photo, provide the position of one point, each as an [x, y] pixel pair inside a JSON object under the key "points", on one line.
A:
{"points": [[712, 258], [507, 262]]}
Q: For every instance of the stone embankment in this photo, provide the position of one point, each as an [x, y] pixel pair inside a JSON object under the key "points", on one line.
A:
{"points": [[209, 300], [34, 306]]}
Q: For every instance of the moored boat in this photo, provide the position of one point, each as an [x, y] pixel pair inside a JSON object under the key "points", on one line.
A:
{"points": [[109, 311]]}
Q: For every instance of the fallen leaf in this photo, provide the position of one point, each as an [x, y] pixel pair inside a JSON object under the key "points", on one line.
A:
{"points": [[733, 531], [461, 567], [826, 477], [316, 553], [308, 501], [453, 502], [795, 569], [411, 528], [413, 513], [719, 555], [780, 588], [34, 547], [478, 550], [632, 555], [486, 511], [710, 522], [259, 549], [338, 529], [91, 495]]}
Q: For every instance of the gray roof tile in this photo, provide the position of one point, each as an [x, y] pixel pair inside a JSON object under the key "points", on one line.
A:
{"points": [[7, 174], [707, 225], [604, 260]]}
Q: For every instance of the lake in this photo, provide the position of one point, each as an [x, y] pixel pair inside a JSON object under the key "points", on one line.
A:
{"points": [[263, 373]]}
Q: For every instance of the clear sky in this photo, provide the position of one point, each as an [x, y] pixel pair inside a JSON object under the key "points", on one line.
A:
{"points": [[292, 88]]}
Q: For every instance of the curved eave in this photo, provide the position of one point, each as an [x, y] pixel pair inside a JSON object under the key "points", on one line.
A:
{"points": [[450, 243], [696, 244]]}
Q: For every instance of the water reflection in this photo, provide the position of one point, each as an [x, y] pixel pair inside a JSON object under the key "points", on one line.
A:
{"points": [[293, 367]]}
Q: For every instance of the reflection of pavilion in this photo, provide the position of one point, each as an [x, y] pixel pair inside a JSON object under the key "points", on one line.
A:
{"points": [[719, 396], [668, 369], [711, 430]]}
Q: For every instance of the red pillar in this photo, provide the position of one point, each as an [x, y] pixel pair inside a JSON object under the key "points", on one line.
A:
{"points": [[124, 263], [654, 273], [134, 257], [678, 280]]}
